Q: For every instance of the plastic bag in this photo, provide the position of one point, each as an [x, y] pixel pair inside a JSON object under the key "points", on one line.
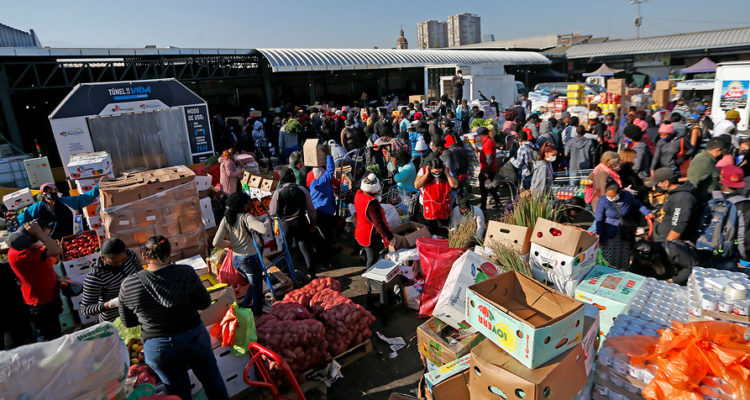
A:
{"points": [[245, 332], [126, 334], [87, 364], [228, 274], [436, 259], [226, 329]]}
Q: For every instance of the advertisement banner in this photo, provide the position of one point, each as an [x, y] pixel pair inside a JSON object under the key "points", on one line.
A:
{"points": [[734, 94], [72, 137]]}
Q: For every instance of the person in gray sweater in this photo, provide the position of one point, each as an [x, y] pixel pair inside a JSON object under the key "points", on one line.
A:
{"points": [[642, 164], [579, 150], [543, 175]]}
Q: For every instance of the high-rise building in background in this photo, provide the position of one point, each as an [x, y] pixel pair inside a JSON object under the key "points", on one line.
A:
{"points": [[432, 34], [464, 29], [401, 43], [488, 37]]}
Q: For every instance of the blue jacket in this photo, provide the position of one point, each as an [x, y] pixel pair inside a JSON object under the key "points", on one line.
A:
{"points": [[608, 220], [413, 138], [74, 202], [321, 190]]}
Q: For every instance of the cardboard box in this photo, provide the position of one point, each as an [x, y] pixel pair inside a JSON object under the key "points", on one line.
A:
{"points": [[89, 165], [411, 231], [203, 182], [439, 343], [495, 374], [449, 382], [590, 342], [268, 185], [566, 239], [467, 270], [18, 199], [139, 185], [38, 170], [418, 98], [514, 236], [531, 322], [79, 266], [616, 86], [563, 271], [401, 396], [168, 227], [221, 299], [84, 185], [382, 271], [134, 238], [255, 181], [313, 154], [122, 219], [661, 97], [207, 213], [609, 289], [663, 85], [148, 214]]}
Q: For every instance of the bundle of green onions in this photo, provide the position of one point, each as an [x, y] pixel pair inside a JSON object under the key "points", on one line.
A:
{"points": [[464, 232], [528, 208], [507, 258]]}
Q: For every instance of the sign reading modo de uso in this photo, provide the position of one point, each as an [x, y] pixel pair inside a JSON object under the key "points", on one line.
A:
{"points": [[734, 94], [198, 132]]}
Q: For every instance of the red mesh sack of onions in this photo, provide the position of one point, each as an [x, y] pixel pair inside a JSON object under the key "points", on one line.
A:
{"points": [[304, 294], [301, 343], [346, 323]]}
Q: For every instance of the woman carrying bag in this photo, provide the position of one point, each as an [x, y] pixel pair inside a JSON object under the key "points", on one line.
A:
{"points": [[239, 224]]}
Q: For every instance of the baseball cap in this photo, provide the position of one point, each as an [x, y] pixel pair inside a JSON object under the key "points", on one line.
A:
{"points": [[417, 115], [732, 114], [732, 176], [47, 185], [564, 114], [694, 116], [593, 115], [661, 175]]}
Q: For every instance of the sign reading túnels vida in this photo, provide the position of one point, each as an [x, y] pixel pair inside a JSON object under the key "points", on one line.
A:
{"points": [[198, 130]]}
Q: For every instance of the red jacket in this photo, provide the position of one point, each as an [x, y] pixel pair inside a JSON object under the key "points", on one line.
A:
{"points": [[489, 150], [436, 200]]}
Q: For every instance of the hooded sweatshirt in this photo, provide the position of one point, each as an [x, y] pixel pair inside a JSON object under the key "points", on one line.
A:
{"points": [[679, 213], [164, 302], [579, 149], [642, 160], [542, 178]]}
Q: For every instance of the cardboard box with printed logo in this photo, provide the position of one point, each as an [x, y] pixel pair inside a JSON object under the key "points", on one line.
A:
{"points": [[494, 375], [18, 199], [513, 236], [531, 322], [440, 343], [89, 165], [450, 381], [609, 289], [467, 270]]}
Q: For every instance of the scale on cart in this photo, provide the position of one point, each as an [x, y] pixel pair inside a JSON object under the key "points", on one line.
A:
{"points": [[384, 276]]}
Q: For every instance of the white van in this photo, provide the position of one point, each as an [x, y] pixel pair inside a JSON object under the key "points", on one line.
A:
{"points": [[731, 90]]}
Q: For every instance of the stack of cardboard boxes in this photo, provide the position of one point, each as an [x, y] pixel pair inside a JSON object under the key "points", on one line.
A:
{"points": [[535, 343], [86, 170], [611, 290], [19, 199], [576, 94], [157, 202], [662, 93], [561, 255]]}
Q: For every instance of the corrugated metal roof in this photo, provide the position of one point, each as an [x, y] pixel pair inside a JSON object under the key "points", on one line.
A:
{"points": [[289, 60], [540, 42], [12, 37], [116, 52], [661, 44]]}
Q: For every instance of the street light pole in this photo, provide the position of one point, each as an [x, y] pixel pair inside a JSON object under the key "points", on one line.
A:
{"points": [[638, 19]]}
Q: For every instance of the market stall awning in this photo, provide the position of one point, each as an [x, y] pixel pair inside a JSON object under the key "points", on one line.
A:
{"points": [[291, 60], [702, 66], [604, 70]]}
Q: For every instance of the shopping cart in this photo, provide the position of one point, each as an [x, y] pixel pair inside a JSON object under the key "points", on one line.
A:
{"points": [[567, 185], [403, 199]]}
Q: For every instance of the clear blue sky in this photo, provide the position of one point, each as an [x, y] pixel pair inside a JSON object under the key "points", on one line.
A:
{"points": [[340, 24]]}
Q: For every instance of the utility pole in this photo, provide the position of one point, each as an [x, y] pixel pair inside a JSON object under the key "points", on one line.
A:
{"points": [[638, 19]]}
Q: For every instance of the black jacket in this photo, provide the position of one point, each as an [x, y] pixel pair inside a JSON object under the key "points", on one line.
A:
{"points": [[680, 213], [630, 178]]}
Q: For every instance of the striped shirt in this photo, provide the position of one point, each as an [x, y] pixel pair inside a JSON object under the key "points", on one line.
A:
{"points": [[103, 284], [164, 302]]}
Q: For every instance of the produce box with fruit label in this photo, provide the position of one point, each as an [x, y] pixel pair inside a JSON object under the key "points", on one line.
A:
{"points": [[89, 165], [80, 252]]}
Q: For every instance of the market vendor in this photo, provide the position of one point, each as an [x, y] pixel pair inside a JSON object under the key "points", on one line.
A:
{"points": [[463, 210], [321, 192], [164, 300], [58, 209], [32, 265], [102, 284], [372, 231], [435, 181]]}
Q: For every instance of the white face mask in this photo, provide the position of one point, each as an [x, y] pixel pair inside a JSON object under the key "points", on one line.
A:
{"points": [[551, 158], [613, 199]]}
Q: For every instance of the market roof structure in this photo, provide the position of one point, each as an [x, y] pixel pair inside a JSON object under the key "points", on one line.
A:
{"points": [[604, 70], [703, 66], [12, 37], [292, 60], [731, 37]]}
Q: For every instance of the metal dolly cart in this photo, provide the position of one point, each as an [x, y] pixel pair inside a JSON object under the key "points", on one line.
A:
{"points": [[284, 256]]}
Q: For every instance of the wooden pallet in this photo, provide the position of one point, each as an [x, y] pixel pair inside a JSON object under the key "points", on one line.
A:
{"points": [[355, 353]]}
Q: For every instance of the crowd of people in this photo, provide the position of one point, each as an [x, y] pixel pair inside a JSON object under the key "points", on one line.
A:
{"points": [[631, 164]]}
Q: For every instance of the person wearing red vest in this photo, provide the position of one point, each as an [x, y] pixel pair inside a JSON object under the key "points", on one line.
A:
{"points": [[372, 231], [435, 181]]}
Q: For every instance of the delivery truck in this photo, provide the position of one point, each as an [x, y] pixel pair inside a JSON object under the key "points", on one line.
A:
{"points": [[731, 88]]}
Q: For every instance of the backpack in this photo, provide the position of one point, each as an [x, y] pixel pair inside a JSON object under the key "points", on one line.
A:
{"points": [[721, 228]]}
